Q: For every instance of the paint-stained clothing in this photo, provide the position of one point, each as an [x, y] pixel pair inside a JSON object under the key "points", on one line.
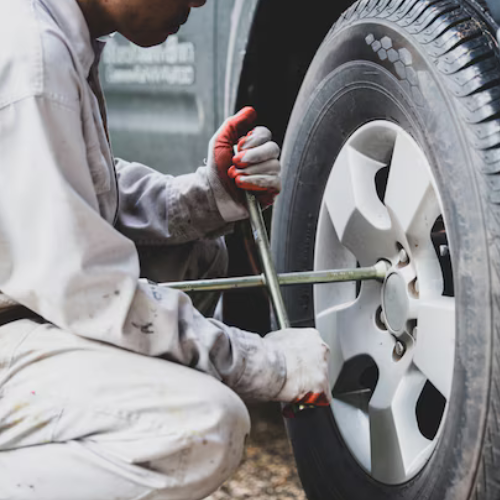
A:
{"points": [[83, 420], [94, 402], [69, 224]]}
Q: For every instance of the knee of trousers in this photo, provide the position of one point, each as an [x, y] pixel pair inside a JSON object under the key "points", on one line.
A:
{"points": [[223, 441], [212, 447]]}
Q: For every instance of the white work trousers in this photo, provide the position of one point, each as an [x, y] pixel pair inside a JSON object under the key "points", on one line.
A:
{"points": [[82, 420]]}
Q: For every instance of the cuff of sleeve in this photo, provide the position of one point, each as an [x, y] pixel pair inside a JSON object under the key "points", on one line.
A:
{"points": [[264, 375], [230, 210]]}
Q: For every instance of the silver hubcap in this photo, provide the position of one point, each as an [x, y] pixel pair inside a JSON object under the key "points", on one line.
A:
{"points": [[393, 344]]}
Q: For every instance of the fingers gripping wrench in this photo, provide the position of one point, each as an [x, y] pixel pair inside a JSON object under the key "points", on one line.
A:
{"points": [[272, 284]]}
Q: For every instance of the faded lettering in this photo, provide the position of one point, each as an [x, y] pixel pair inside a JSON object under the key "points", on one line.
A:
{"points": [[171, 75], [171, 63]]}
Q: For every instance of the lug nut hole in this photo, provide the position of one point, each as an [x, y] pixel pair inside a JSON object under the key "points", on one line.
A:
{"points": [[414, 288], [403, 256], [380, 319], [399, 350]]}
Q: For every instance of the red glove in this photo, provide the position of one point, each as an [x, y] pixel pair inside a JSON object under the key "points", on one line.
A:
{"points": [[255, 168]]}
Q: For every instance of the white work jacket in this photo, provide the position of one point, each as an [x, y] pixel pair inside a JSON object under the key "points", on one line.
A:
{"points": [[61, 202]]}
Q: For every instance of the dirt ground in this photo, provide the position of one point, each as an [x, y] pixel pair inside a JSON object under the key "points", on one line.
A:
{"points": [[268, 471]]}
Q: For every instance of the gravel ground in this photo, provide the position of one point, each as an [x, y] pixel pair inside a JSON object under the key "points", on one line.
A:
{"points": [[268, 470]]}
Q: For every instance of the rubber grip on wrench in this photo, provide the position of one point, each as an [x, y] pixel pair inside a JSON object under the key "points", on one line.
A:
{"points": [[309, 402]]}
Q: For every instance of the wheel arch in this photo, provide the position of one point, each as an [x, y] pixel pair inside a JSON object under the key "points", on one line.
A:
{"points": [[270, 51]]}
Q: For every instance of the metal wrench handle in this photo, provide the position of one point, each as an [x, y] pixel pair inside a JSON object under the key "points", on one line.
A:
{"points": [[262, 242]]}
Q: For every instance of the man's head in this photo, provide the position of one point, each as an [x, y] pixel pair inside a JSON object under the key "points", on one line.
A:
{"points": [[143, 22]]}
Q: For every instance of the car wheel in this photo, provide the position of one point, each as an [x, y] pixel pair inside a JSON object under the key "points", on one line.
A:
{"points": [[393, 153]]}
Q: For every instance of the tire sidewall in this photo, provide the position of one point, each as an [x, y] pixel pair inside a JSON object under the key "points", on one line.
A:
{"points": [[319, 127]]}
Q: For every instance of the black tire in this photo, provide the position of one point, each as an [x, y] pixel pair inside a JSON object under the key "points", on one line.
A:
{"points": [[452, 110]]}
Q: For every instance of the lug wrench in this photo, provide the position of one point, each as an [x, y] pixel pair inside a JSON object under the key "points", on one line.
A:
{"points": [[272, 281]]}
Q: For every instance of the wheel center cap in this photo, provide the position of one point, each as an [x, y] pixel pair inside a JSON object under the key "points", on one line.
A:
{"points": [[395, 302]]}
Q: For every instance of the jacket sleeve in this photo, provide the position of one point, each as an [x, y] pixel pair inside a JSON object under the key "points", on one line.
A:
{"points": [[161, 209], [61, 259]]}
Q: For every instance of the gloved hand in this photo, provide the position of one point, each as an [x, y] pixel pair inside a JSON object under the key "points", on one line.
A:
{"points": [[256, 167], [306, 357]]}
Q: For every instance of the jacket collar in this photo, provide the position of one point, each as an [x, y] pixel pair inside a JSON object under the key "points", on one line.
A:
{"points": [[69, 17]]}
